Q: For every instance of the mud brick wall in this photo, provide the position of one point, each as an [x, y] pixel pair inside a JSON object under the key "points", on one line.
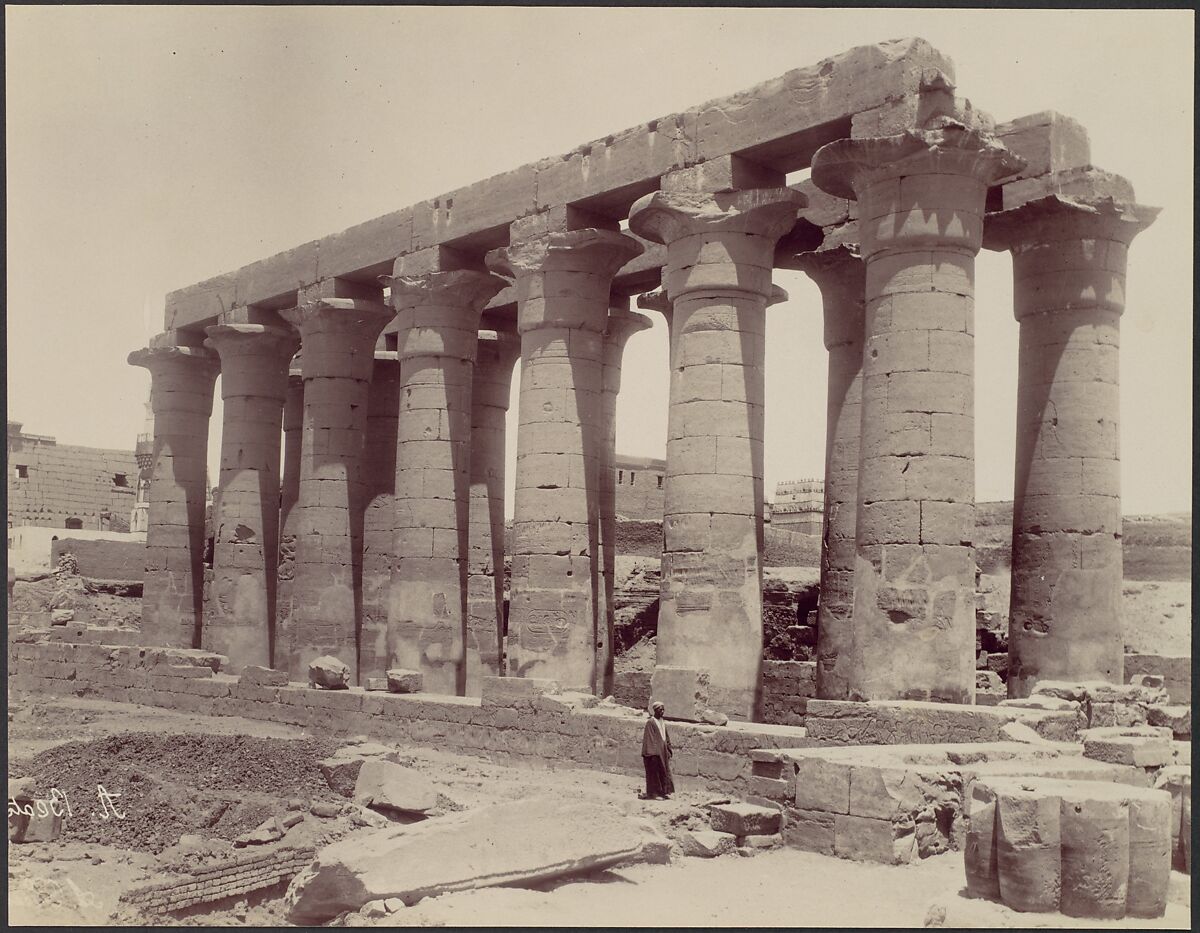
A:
{"points": [[786, 689], [533, 730], [227, 879], [103, 560], [64, 482]]}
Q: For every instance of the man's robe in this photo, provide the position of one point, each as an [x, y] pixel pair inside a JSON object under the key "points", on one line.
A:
{"points": [[656, 756]]}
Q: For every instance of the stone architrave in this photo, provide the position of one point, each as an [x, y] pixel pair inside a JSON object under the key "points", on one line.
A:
{"points": [[720, 249], [920, 217], [240, 618], [1069, 292], [563, 280], [840, 275], [438, 320], [181, 395], [338, 344], [379, 513], [495, 356], [622, 324], [289, 495]]}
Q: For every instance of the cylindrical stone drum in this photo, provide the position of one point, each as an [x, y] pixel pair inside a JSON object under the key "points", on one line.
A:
{"points": [[1027, 850], [1095, 852]]}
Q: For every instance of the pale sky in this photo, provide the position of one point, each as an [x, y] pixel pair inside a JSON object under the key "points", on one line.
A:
{"points": [[151, 147]]}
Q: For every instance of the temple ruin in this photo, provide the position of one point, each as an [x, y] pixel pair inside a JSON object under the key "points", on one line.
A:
{"points": [[360, 512]]}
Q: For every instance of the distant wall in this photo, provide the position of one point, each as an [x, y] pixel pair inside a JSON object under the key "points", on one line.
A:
{"points": [[103, 560], [49, 483], [29, 547]]}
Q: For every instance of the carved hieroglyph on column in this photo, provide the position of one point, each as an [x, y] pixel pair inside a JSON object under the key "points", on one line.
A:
{"points": [[438, 319], [563, 281], [338, 339], [240, 621], [495, 356], [1068, 292], [379, 512], [181, 394], [720, 249], [622, 324], [289, 495], [839, 273], [921, 199]]}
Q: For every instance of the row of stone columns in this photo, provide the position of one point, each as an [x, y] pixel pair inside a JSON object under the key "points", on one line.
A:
{"points": [[392, 522]]}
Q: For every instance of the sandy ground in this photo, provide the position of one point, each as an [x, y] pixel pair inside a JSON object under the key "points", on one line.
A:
{"points": [[78, 884]]}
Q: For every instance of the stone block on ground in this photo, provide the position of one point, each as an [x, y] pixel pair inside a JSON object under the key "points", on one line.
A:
{"points": [[1176, 718], [517, 692], [375, 684], [809, 830], [400, 680], [385, 785], [865, 839], [1177, 781], [707, 843], [263, 676], [340, 769], [329, 673], [520, 842], [744, 819], [682, 691], [1139, 746]]}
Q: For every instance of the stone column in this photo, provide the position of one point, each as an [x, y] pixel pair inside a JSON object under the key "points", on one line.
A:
{"points": [[241, 605], [338, 338], [379, 512], [921, 200], [289, 495], [622, 324], [438, 318], [839, 274], [1069, 293], [563, 281], [181, 395], [720, 249], [495, 356]]}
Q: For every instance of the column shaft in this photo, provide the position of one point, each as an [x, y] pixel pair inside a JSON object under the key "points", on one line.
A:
{"points": [[379, 517], [181, 395], [289, 495], [438, 317], [338, 339], [563, 282], [718, 278], [921, 198], [1069, 293], [241, 604], [496, 354], [839, 274]]}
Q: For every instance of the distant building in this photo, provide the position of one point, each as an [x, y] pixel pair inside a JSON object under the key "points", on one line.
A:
{"points": [[799, 506], [640, 488], [56, 485]]}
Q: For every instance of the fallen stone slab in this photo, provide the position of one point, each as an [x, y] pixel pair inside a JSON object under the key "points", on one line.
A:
{"points": [[340, 769], [745, 819], [263, 676], [707, 843], [376, 684], [521, 842], [1176, 718], [329, 673], [1140, 746], [400, 680], [266, 832], [385, 785]]}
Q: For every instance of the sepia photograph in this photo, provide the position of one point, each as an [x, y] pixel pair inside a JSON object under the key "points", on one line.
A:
{"points": [[644, 466]]}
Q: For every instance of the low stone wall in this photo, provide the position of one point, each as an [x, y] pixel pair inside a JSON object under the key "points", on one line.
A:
{"points": [[217, 882], [902, 722], [544, 730], [1176, 673], [101, 559]]}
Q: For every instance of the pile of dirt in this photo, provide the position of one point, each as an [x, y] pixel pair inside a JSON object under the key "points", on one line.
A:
{"points": [[98, 602], [168, 785]]}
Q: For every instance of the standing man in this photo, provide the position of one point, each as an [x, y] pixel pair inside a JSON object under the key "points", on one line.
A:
{"points": [[656, 756]]}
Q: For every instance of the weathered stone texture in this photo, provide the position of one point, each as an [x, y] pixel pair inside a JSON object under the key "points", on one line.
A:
{"points": [[181, 395], [920, 202], [438, 317], [563, 282], [1069, 293], [720, 252], [338, 337]]}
